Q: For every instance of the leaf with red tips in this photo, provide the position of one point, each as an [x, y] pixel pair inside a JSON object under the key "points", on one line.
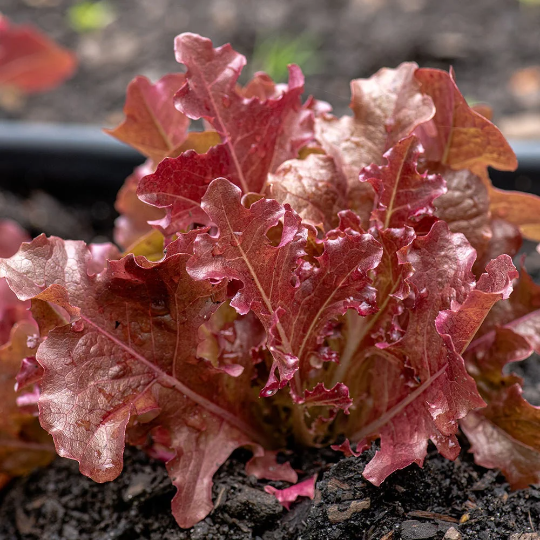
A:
{"points": [[520, 313], [152, 124], [271, 131], [287, 496], [30, 61], [267, 467], [133, 350], [431, 389], [505, 433], [179, 184], [462, 324], [512, 446], [293, 306], [136, 215], [458, 136], [403, 195]]}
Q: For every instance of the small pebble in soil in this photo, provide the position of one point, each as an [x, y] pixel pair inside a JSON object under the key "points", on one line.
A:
{"points": [[452, 534], [416, 530]]}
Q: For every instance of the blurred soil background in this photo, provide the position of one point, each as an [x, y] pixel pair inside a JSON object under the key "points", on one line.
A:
{"points": [[494, 46]]}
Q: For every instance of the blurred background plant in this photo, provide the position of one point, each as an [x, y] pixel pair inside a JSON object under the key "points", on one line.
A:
{"points": [[273, 54], [30, 63], [89, 16]]}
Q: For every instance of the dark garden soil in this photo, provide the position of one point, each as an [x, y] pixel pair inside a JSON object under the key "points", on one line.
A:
{"points": [[487, 41]]}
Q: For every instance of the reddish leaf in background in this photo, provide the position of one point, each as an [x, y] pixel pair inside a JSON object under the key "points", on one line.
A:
{"points": [[505, 238], [314, 187], [270, 132], [23, 444], [519, 209], [152, 124], [403, 195], [134, 214], [466, 207], [516, 451], [294, 310], [132, 351], [30, 61], [387, 107], [287, 496], [100, 254], [458, 136], [11, 309], [29, 373], [261, 86], [11, 237], [505, 433]]}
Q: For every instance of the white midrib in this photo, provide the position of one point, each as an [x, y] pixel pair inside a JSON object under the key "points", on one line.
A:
{"points": [[352, 344]]}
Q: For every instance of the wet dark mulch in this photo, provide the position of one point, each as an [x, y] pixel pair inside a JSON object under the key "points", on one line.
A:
{"points": [[58, 503]]}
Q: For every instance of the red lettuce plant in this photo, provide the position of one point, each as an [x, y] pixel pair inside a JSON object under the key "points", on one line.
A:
{"points": [[290, 275]]}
